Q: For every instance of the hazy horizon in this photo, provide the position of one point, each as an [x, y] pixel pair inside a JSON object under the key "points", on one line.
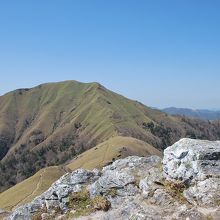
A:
{"points": [[161, 53]]}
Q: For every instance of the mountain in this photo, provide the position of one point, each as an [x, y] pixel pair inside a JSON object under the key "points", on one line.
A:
{"points": [[52, 123], [96, 157], [184, 185], [197, 113]]}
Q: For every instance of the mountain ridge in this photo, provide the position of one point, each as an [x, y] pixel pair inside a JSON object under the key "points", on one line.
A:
{"points": [[194, 113], [51, 123]]}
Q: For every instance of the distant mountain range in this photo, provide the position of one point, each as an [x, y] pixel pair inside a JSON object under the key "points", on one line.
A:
{"points": [[193, 113]]}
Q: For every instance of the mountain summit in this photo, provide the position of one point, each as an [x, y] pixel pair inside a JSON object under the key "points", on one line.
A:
{"points": [[52, 123]]}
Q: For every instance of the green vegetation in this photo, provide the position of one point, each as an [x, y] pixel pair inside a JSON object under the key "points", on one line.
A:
{"points": [[52, 123]]}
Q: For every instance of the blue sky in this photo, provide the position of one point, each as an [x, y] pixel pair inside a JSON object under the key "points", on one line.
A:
{"points": [[162, 53]]}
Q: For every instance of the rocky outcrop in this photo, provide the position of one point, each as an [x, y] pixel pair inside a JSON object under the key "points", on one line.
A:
{"points": [[197, 164], [185, 185], [190, 160], [57, 196]]}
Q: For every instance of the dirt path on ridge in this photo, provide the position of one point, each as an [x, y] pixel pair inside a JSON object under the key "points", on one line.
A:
{"points": [[33, 192]]}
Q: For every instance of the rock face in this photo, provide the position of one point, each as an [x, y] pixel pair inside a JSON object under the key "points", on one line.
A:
{"points": [[204, 193], [57, 195], [190, 160], [185, 185], [197, 164]]}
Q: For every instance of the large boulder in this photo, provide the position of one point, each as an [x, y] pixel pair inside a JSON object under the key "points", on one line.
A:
{"points": [[190, 160], [110, 180], [196, 163]]}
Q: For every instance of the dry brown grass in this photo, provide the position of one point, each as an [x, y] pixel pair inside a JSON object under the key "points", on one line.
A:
{"points": [[176, 190], [101, 203], [27, 190], [84, 205], [66, 118], [96, 157], [110, 150]]}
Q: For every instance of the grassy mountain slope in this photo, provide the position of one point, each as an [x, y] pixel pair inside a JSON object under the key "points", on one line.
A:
{"points": [[108, 151], [51, 123], [97, 157], [27, 190]]}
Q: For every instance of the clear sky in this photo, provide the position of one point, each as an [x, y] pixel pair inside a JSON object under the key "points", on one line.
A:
{"points": [[160, 52]]}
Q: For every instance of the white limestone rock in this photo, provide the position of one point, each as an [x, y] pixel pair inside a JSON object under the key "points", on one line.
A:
{"points": [[138, 189], [189, 160], [110, 179], [154, 180], [204, 193]]}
